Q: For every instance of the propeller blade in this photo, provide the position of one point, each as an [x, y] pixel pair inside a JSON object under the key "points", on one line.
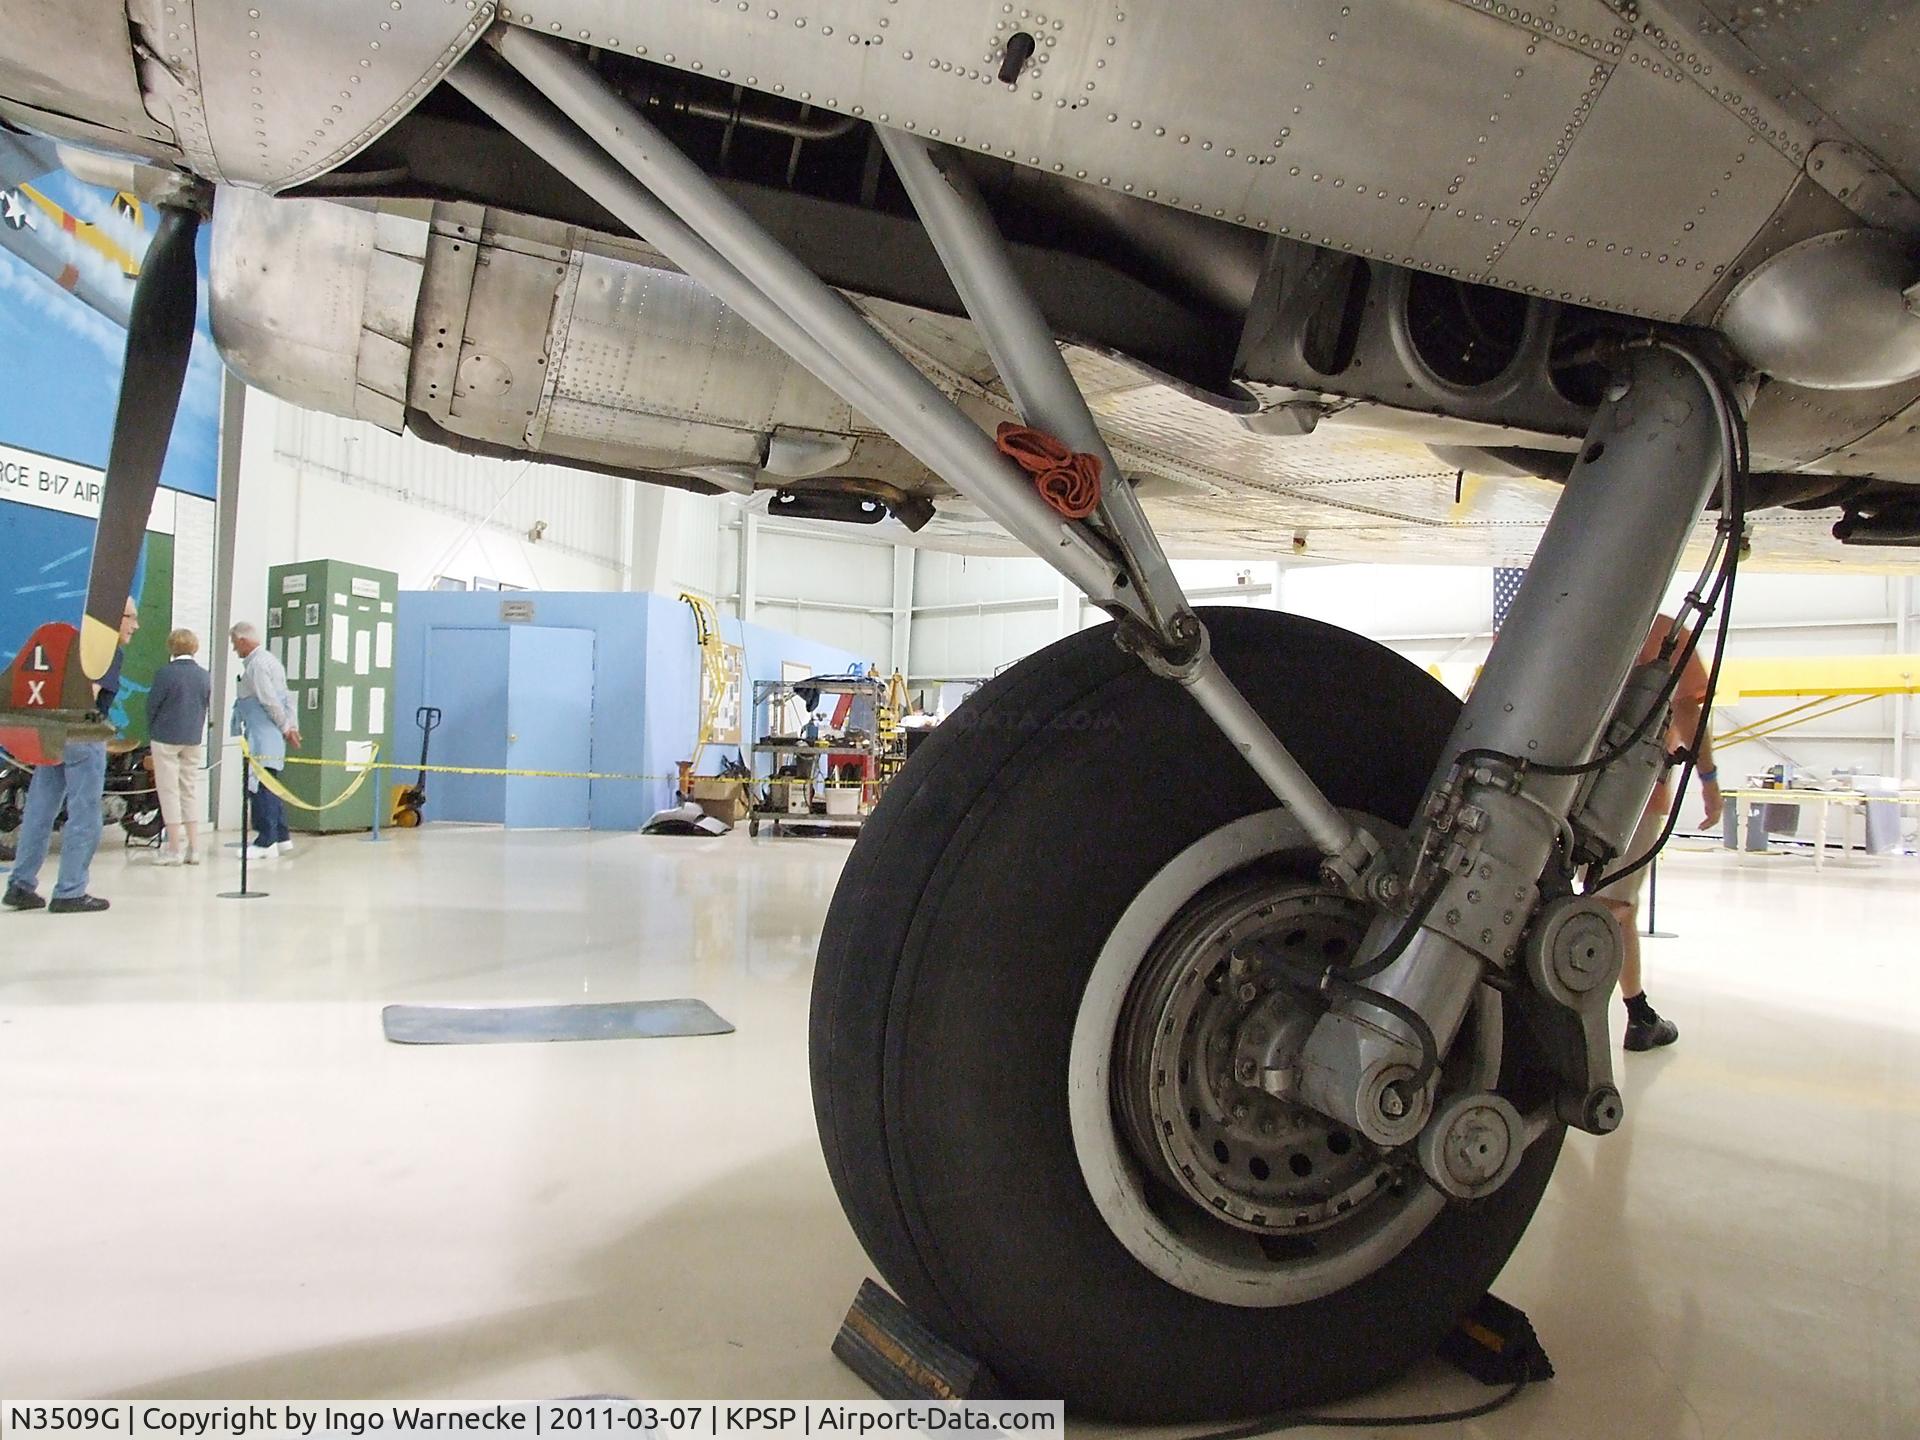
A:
{"points": [[159, 340]]}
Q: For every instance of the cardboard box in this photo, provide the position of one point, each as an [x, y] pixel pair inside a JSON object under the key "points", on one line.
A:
{"points": [[721, 798]]}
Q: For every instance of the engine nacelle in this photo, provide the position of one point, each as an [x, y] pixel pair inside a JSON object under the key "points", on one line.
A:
{"points": [[495, 334]]}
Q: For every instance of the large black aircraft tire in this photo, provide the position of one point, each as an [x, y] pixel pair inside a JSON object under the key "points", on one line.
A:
{"points": [[950, 973]]}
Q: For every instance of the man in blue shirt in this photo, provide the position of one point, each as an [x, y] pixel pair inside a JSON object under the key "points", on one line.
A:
{"points": [[75, 783], [264, 711]]}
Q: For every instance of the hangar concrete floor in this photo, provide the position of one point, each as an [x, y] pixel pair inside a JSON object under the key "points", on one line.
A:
{"points": [[218, 1181]]}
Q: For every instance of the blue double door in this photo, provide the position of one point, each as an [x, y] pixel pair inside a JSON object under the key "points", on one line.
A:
{"points": [[511, 698]]}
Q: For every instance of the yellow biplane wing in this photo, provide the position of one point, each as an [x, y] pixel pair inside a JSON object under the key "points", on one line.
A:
{"points": [[1833, 683], [1820, 675]]}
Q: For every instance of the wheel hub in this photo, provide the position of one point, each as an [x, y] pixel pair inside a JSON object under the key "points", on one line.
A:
{"points": [[1207, 1129]]}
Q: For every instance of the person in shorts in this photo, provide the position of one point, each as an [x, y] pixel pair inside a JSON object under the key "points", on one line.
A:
{"points": [[1647, 1029]]}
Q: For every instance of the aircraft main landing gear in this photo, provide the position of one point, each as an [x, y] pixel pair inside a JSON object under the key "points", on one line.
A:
{"points": [[1156, 1024]]}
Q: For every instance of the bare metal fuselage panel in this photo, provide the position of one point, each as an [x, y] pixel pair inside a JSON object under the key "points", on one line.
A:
{"points": [[1623, 159]]}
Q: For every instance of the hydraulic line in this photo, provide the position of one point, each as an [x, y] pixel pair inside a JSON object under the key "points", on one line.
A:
{"points": [[1722, 567]]}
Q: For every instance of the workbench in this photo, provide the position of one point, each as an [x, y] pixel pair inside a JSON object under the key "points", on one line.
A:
{"points": [[1824, 799]]}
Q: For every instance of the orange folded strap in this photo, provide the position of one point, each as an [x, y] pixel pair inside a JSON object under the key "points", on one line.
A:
{"points": [[1067, 480]]}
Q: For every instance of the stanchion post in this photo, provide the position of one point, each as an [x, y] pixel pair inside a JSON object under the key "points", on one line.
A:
{"points": [[1653, 900], [246, 825], [374, 838]]}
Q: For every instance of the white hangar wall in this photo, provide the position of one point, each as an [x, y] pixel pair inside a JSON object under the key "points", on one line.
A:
{"points": [[314, 486]]}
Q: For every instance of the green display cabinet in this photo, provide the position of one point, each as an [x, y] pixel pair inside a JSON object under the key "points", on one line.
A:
{"points": [[332, 625]]}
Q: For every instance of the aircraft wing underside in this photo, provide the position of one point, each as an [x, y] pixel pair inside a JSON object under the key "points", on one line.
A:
{"points": [[1342, 493]]}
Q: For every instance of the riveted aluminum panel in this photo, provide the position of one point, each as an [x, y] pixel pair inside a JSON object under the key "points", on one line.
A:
{"points": [[393, 290], [382, 368], [1692, 203], [647, 363], [642, 440], [1854, 59], [652, 374], [1452, 135], [169, 66], [945, 346], [446, 288], [75, 58], [1890, 452], [1795, 427], [1315, 117], [1685, 34], [275, 92], [302, 290], [597, 356], [380, 391], [645, 339], [556, 346], [1807, 211], [503, 343]]}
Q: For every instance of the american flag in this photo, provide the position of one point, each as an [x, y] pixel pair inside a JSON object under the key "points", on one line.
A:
{"points": [[1506, 585]]}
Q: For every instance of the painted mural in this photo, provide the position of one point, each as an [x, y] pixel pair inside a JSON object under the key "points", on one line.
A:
{"points": [[69, 256]]}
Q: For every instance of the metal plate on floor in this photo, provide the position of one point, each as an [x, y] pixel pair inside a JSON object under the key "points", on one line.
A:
{"points": [[523, 1024]]}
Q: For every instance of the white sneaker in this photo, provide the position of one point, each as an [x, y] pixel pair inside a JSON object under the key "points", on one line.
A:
{"points": [[193, 858], [286, 847], [261, 852], [168, 857]]}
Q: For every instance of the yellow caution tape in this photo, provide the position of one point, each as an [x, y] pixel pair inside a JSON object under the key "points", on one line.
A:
{"points": [[405, 769], [497, 770], [272, 781]]}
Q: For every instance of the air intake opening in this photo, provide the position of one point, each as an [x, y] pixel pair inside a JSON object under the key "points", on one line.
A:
{"points": [[1466, 334], [1333, 328]]}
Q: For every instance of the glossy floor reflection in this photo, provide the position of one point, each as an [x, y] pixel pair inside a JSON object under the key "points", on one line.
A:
{"points": [[220, 1182]]}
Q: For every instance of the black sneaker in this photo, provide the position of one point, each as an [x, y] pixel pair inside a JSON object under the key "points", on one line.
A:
{"points": [[76, 905], [1641, 1034], [19, 897]]}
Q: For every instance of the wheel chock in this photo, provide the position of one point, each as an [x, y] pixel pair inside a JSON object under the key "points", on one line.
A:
{"points": [[1495, 1343], [901, 1359]]}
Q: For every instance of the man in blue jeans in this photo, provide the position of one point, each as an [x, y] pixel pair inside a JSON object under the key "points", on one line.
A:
{"points": [[75, 783], [265, 712]]}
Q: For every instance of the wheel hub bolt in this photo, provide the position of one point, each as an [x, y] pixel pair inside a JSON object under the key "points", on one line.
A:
{"points": [[1245, 1071], [1393, 1102], [1249, 992]]}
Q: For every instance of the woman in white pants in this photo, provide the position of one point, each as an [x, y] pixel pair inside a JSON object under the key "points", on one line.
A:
{"points": [[177, 733]]}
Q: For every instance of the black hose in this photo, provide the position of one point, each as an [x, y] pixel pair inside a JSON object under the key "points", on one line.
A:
{"points": [[1614, 754], [1296, 1419], [1396, 947], [1347, 984], [1706, 705], [1407, 1015], [1733, 526]]}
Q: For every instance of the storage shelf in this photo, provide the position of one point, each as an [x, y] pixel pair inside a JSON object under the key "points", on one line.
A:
{"points": [[881, 755], [864, 747]]}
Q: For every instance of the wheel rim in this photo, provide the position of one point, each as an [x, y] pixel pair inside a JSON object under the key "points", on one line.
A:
{"points": [[1256, 1161], [1145, 1134]]}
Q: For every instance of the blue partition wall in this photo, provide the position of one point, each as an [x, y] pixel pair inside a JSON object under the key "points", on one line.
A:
{"points": [[646, 688]]}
